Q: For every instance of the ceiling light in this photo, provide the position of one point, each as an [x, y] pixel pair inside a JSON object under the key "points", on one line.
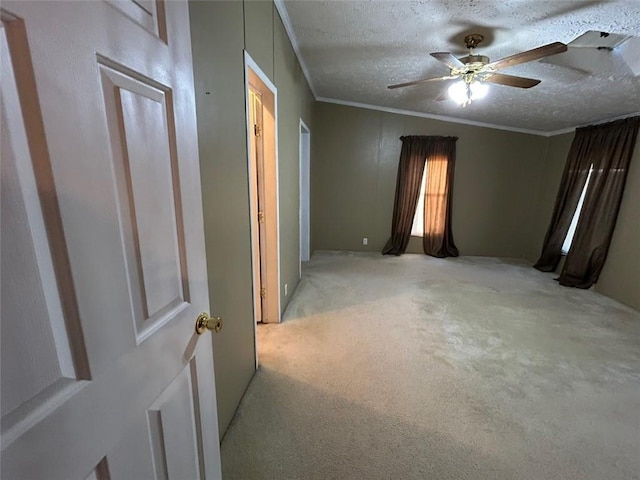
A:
{"points": [[479, 90], [464, 93]]}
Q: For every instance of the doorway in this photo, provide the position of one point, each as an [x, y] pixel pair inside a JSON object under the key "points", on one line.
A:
{"points": [[261, 106], [305, 229]]}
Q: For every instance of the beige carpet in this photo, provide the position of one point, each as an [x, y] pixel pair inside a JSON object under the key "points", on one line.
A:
{"points": [[419, 368]]}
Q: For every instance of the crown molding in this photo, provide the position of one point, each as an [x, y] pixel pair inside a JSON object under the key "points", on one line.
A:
{"points": [[606, 120], [561, 131], [288, 26], [432, 116]]}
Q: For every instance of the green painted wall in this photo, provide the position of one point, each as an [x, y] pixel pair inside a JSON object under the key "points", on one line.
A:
{"points": [[295, 102], [551, 168], [504, 191], [355, 154], [259, 18], [220, 31]]}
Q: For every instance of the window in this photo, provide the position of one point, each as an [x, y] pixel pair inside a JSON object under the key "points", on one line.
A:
{"points": [[437, 199], [576, 215], [417, 229]]}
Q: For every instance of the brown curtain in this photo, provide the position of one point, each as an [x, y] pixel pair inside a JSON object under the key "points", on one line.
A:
{"points": [[438, 236], [574, 177], [412, 159], [439, 154], [607, 149]]}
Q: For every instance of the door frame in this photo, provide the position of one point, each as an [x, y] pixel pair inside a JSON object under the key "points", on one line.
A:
{"points": [[251, 67], [305, 165]]}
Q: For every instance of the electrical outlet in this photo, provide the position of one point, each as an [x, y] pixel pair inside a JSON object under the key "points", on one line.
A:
{"points": [[286, 289], [365, 241]]}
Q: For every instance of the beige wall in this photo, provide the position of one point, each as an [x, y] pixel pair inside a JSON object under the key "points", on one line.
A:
{"points": [[219, 30], [295, 102], [620, 278], [354, 159], [551, 167]]}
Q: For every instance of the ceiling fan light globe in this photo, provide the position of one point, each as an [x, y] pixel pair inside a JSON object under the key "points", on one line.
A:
{"points": [[479, 90], [458, 93]]}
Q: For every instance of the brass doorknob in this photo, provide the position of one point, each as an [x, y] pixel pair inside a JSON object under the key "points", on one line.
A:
{"points": [[204, 322]]}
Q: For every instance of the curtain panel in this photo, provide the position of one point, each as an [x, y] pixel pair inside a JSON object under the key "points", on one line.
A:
{"points": [[412, 160], [439, 155], [438, 235], [606, 149], [572, 183]]}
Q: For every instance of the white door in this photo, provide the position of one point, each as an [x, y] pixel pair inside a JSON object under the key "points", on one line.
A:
{"points": [[103, 264], [257, 157], [305, 193]]}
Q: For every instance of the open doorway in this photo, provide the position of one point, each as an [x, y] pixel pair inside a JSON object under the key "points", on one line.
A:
{"points": [[261, 111], [305, 229]]}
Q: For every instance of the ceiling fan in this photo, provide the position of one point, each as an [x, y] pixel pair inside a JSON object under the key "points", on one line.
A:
{"points": [[474, 71]]}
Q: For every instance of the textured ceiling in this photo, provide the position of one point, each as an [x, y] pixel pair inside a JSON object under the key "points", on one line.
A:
{"points": [[352, 50]]}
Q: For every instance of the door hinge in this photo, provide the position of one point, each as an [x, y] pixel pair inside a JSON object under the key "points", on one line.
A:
{"points": [[257, 130], [261, 217], [263, 293]]}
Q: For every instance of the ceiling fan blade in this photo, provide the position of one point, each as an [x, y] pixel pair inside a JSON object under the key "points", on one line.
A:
{"points": [[512, 81], [528, 56], [448, 59], [408, 84]]}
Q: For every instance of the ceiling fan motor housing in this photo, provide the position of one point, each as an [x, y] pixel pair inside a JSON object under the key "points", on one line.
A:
{"points": [[471, 59], [473, 64]]}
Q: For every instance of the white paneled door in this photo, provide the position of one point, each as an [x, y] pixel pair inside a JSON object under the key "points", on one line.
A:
{"points": [[103, 265]]}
